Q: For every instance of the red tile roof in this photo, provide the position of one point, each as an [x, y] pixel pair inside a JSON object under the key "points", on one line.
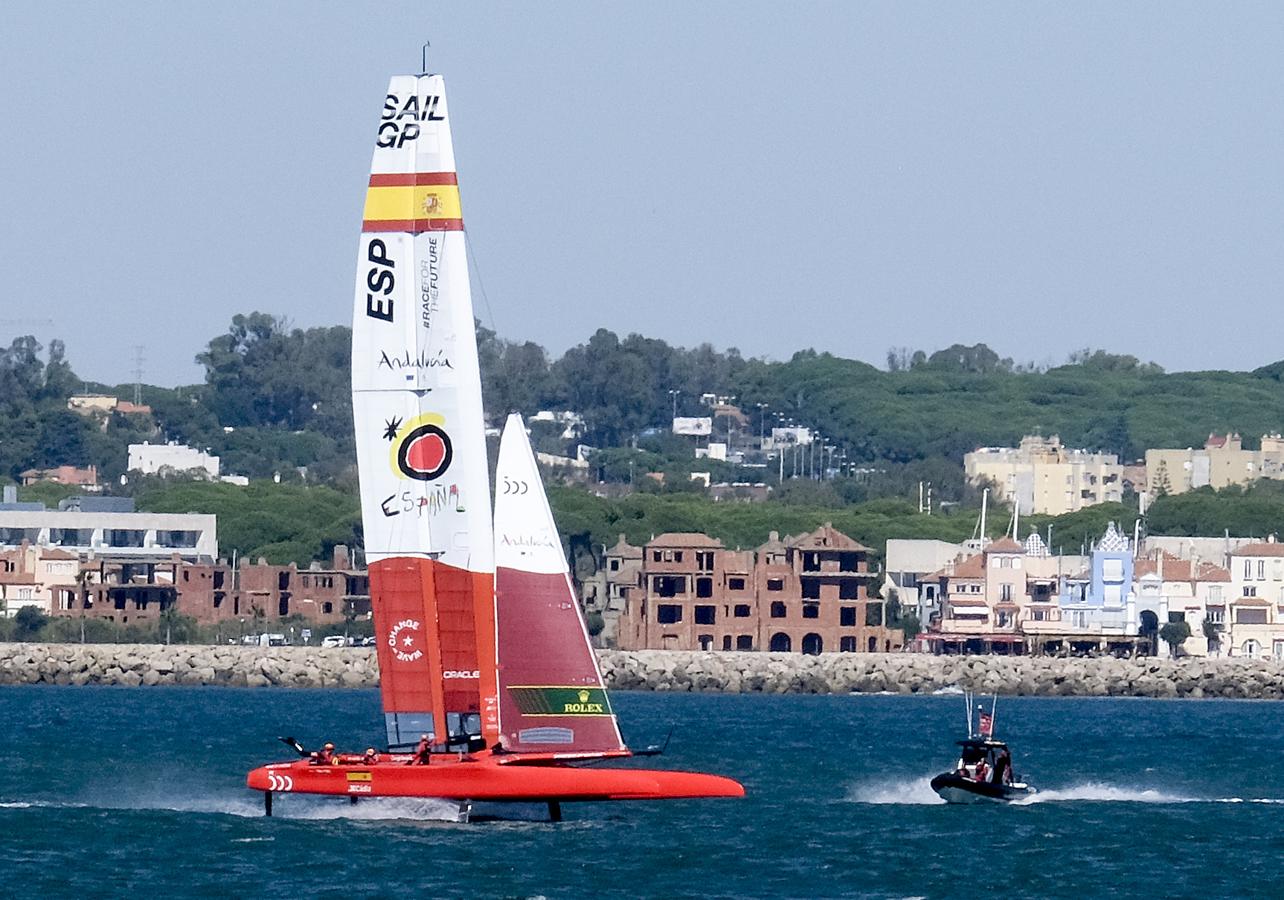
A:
{"points": [[1265, 548], [684, 539], [1005, 545]]}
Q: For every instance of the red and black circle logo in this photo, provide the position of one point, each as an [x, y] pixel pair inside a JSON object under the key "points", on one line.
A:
{"points": [[425, 453]]}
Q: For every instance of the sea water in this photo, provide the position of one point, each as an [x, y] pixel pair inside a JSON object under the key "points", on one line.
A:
{"points": [[120, 791]]}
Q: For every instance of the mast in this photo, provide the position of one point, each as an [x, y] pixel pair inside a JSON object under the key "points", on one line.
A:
{"points": [[421, 451]]}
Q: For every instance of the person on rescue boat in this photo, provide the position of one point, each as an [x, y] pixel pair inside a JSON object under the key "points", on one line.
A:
{"points": [[369, 757], [324, 756]]}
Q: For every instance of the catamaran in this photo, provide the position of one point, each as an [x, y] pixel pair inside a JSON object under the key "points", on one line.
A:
{"points": [[485, 663]]}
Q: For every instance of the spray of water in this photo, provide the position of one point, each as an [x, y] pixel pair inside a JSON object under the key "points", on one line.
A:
{"points": [[918, 792]]}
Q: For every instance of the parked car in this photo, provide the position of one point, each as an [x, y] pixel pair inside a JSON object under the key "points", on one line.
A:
{"points": [[368, 641], [334, 640]]}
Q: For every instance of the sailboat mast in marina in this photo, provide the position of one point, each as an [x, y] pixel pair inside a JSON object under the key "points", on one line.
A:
{"points": [[485, 664]]}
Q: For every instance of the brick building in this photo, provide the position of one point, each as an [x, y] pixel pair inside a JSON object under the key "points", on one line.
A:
{"points": [[808, 593], [138, 591]]}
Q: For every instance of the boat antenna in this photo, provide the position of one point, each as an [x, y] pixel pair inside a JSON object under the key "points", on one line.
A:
{"points": [[994, 713], [424, 57], [967, 705]]}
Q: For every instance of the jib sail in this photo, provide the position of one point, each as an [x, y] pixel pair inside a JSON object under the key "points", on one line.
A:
{"points": [[551, 693]]}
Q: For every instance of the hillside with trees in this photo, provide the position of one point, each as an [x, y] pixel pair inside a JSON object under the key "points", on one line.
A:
{"points": [[274, 405]]}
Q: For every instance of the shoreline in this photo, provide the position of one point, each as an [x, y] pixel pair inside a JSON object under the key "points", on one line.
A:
{"points": [[141, 665]]}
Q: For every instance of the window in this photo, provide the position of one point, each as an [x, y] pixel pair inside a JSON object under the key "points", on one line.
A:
{"points": [[849, 562], [775, 584], [704, 562], [705, 615], [1250, 649], [744, 642], [777, 610], [656, 556], [736, 584], [847, 645], [1176, 617], [1248, 616], [1005, 593], [1248, 568], [1261, 570], [614, 565], [780, 643], [669, 585], [849, 590], [873, 614], [847, 616], [327, 607], [706, 641], [1250, 591], [704, 587], [668, 613], [811, 610], [742, 611], [1217, 616], [726, 642], [1215, 594], [677, 556], [811, 588]]}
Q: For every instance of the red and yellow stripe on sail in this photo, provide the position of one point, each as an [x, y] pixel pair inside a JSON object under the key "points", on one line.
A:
{"points": [[413, 202]]}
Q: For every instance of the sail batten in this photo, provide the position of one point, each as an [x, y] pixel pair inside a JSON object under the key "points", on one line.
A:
{"points": [[416, 391]]}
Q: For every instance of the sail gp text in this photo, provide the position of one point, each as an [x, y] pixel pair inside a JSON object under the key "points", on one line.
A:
{"points": [[400, 120]]}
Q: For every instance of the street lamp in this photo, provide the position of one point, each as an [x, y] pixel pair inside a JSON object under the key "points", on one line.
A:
{"points": [[673, 393]]}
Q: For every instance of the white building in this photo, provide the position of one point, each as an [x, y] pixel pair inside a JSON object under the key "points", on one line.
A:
{"points": [[138, 535], [160, 459], [1257, 600]]}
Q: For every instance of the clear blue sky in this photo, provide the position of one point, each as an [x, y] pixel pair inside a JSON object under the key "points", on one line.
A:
{"points": [[844, 176]]}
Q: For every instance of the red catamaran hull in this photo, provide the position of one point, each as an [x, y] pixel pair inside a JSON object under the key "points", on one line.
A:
{"points": [[487, 779]]}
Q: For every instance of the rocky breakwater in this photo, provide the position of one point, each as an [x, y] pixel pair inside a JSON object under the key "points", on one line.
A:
{"points": [[907, 673], [152, 664], [660, 670]]}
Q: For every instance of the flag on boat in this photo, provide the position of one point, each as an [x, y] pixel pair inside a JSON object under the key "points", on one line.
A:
{"points": [[987, 724]]}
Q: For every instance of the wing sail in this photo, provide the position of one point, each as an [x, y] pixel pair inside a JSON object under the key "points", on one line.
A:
{"points": [[421, 452]]}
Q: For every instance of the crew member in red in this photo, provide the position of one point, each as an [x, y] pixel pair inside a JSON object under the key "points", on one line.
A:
{"points": [[324, 756], [369, 758], [423, 751]]}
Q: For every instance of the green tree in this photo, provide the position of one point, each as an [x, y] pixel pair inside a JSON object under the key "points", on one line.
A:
{"points": [[1213, 635], [1174, 634], [29, 622]]}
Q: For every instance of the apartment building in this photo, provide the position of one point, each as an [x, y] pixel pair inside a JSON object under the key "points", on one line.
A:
{"points": [[1221, 462], [808, 593], [1041, 476], [1256, 626]]}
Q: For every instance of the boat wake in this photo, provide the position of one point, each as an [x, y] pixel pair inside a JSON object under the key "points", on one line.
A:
{"points": [[918, 792], [908, 792], [293, 807]]}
